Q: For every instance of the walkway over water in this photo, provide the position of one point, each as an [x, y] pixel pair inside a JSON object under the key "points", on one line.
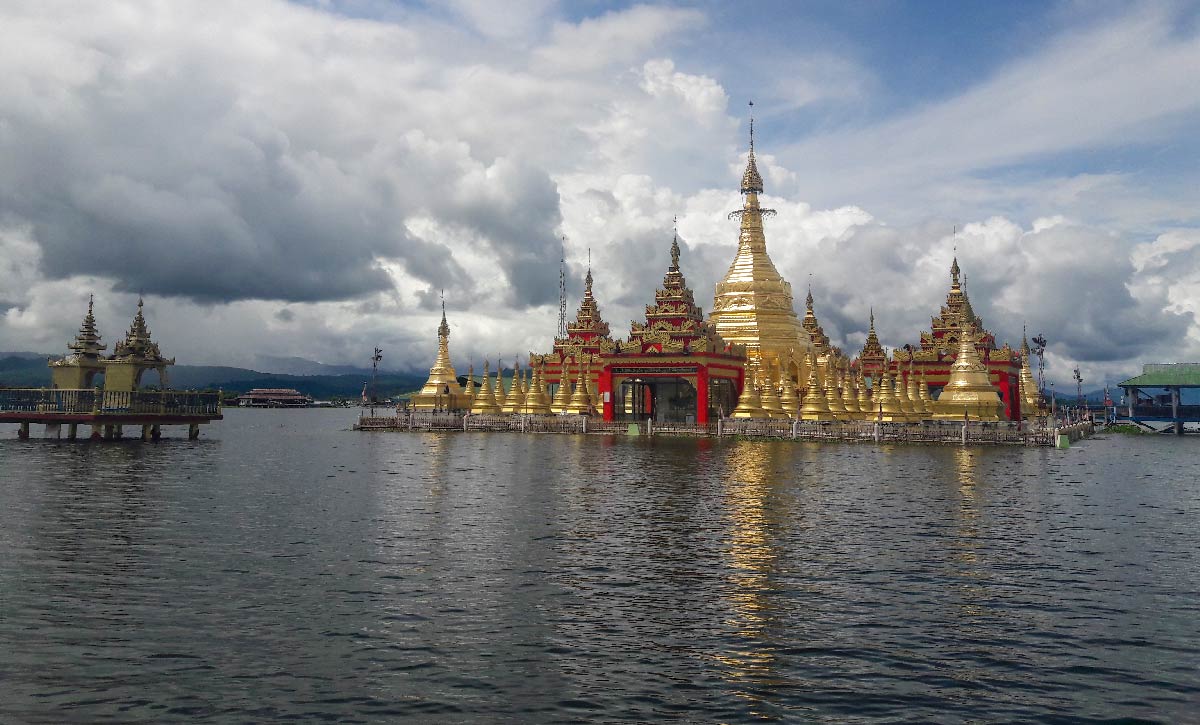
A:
{"points": [[107, 411], [1166, 408]]}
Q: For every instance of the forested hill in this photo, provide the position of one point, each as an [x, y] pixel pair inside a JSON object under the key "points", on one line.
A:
{"points": [[24, 370]]}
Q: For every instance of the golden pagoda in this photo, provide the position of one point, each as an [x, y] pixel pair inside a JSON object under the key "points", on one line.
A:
{"points": [[442, 391], [581, 403], [749, 404], [864, 399], [969, 394], [514, 399], [562, 397], [886, 403], [789, 398], [133, 356], [850, 397], [484, 401], [920, 410], [769, 398], [79, 368], [833, 396], [753, 303], [873, 357], [816, 405]]}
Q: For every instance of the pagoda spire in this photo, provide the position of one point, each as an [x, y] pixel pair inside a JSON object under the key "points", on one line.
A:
{"points": [[675, 247], [753, 304], [87, 342], [441, 390], [752, 182], [443, 329]]}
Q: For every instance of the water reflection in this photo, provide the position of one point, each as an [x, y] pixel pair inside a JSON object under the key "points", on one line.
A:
{"points": [[972, 572], [754, 519]]}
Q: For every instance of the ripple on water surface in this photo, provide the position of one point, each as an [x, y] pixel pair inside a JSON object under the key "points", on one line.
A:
{"points": [[285, 567]]}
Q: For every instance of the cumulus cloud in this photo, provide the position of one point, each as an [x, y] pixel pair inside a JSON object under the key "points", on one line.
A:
{"points": [[306, 181]]}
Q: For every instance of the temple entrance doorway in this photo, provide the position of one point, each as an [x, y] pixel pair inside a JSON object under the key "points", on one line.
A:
{"points": [[663, 399]]}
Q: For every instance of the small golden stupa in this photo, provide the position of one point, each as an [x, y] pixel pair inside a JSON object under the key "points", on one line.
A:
{"points": [[969, 394], [442, 390], [816, 405], [484, 401], [749, 404]]}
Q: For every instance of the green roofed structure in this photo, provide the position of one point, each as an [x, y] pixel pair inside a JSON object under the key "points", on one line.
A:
{"points": [[1144, 408]]}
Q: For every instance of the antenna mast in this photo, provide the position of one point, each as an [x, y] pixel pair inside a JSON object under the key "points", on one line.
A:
{"points": [[562, 291]]}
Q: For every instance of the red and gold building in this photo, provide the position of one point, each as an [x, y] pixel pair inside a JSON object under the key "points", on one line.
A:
{"points": [[755, 356], [939, 347], [673, 367]]}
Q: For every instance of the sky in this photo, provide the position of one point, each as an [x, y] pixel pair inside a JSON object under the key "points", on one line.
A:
{"points": [[307, 178]]}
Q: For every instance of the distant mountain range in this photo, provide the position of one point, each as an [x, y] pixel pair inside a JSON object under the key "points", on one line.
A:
{"points": [[25, 369]]}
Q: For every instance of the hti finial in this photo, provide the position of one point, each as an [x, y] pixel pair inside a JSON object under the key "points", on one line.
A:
{"points": [[808, 301], [91, 302], [751, 179], [872, 317], [751, 126], [675, 250], [444, 327]]}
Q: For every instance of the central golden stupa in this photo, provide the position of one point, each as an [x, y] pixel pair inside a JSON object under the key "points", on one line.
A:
{"points": [[753, 303]]}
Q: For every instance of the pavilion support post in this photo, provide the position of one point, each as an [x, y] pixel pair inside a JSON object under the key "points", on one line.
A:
{"points": [[1178, 424], [97, 432], [1131, 399], [193, 431], [155, 432], [72, 431], [146, 432], [23, 433]]}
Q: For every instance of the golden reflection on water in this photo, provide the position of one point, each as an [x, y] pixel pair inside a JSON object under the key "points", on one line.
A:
{"points": [[753, 558], [966, 542]]}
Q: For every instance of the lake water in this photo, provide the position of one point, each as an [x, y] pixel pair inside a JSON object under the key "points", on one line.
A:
{"points": [[285, 567]]}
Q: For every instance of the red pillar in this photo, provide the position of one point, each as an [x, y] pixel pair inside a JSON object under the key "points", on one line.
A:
{"points": [[1006, 394], [606, 393], [702, 394]]}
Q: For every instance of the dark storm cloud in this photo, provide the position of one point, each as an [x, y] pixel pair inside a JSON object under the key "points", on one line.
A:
{"points": [[169, 174]]}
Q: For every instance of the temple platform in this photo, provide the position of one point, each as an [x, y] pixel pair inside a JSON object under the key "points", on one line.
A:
{"points": [[929, 432], [107, 412]]}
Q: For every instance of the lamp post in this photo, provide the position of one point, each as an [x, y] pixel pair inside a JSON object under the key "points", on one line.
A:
{"points": [[1053, 412], [375, 358]]}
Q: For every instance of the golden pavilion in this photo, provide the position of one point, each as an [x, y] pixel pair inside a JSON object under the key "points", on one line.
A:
{"points": [[123, 370], [752, 356], [72, 400]]}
